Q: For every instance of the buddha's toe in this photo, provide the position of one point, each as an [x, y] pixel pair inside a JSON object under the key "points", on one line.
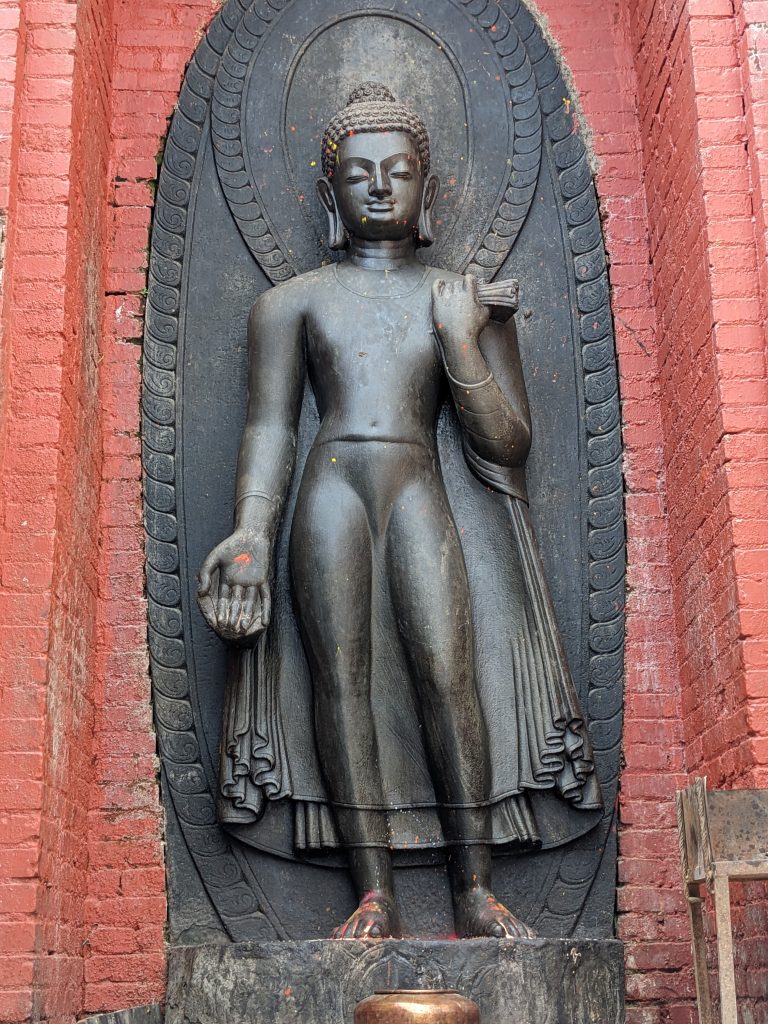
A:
{"points": [[481, 915], [375, 918]]}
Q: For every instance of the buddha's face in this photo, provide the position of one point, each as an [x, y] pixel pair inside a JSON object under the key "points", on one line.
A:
{"points": [[378, 184]]}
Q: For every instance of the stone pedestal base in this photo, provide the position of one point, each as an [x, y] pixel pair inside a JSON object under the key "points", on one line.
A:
{"points": [[541, 981], [138, 1015]]}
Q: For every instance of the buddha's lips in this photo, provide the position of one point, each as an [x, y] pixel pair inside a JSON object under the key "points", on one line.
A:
{"points": [[380, 207]]}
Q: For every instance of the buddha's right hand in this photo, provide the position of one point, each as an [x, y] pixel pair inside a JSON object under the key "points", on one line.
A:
{"points": [[233, 589]]}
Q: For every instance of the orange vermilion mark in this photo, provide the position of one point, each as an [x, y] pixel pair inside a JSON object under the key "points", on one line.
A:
{"points": [[244, 559]]}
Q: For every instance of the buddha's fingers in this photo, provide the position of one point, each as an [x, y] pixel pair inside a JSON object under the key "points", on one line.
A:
{"points": [[208, 608], [257, 622], [207, 569], [255, 627], [266, 604], [246, 615], [235, 606], [222, 609]]}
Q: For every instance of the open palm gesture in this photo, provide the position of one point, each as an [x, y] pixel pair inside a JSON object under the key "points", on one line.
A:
{"points": [[233, 590]]}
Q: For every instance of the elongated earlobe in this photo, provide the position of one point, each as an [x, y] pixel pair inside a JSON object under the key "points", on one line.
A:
{"points": [[337, 235], [426, 234]]}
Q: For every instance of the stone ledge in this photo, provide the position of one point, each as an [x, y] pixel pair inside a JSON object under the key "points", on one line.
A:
{"points": [[139, 1015], [539, 981]]}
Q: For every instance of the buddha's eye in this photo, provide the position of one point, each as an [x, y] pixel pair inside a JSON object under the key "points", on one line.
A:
{"points": [[355, 179], [401, 175]]}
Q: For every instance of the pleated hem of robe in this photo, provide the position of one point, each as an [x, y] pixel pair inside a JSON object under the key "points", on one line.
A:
{"points": [[402, 828], [408, 828]]}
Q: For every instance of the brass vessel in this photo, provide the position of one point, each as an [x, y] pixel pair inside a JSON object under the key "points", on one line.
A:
{"points": [[417, 1006]]}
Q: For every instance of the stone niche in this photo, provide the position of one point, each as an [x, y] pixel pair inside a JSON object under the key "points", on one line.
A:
{"points": [[235, 215]]}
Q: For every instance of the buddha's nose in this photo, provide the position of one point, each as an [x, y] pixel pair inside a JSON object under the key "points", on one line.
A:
{"points": [[378, 183]]}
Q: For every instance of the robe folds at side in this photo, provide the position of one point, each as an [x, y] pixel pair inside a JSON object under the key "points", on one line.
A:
{"points": [[544, 791]]}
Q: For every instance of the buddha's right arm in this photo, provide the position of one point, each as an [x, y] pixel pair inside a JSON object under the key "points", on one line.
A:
{"points": [[234, 591], [275, 388]]}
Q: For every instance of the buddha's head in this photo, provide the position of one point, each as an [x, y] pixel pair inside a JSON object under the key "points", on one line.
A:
{"points": [[376, 184]]}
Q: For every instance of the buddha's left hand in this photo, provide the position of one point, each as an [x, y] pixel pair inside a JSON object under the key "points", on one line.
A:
{"points": [[458, 315]]}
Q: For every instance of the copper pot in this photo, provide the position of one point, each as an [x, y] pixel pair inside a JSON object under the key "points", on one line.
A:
{"points": [[417, 1006]]}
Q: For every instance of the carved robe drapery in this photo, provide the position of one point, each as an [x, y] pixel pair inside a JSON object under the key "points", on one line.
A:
{"points": [[543, 788]]}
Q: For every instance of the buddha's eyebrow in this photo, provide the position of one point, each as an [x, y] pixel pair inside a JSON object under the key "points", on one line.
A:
{"points": [[362, 161]]}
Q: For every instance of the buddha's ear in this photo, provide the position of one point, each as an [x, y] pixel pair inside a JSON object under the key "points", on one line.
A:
{"points": [[337, 235], [426, 231]]}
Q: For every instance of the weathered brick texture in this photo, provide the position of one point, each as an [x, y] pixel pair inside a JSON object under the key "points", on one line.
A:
{"points": [[673, 96], [53, 545], [696, 82]]}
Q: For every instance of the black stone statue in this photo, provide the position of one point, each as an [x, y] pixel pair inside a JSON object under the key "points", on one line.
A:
{"points": [[400, 697]]}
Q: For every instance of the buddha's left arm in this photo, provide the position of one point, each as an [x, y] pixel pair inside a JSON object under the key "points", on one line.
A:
{"points": [[488, 388], [495, 416]]}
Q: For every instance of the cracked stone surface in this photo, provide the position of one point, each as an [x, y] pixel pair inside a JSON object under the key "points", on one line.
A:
{"points": [[541, 981]]}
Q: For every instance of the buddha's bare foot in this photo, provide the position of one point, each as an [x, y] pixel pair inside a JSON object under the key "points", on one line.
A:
{"points": [[375, 918], [480, 915]]}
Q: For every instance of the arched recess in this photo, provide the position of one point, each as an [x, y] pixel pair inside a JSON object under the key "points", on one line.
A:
{"points": [[233, 215]]}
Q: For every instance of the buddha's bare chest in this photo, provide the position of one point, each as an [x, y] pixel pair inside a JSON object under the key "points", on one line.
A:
{"points": [[360, 345]]}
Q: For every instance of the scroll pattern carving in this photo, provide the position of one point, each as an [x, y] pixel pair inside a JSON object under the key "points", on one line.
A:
{"points": [[243, 197], [233, 890], [605, 501], [214, 82], [505, 29], [228, 144]]}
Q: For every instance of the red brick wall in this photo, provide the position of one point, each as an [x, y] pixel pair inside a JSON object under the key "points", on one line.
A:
{"points": [[705, 213], [53, 313], [674, 96], [751, 536], [51, 545], [652, 916], [76, 256], [17, 851], [12, 49], [751, 31]]}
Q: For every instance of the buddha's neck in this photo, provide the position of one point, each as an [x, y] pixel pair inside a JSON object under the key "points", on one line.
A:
{"points": [[382, 255]]}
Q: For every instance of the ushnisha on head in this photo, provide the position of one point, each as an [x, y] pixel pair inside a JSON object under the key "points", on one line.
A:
{"points": [[371, 107], [376, 184]]}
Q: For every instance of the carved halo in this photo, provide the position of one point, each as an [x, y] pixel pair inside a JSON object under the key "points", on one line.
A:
{"points": [[517, 110]]}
